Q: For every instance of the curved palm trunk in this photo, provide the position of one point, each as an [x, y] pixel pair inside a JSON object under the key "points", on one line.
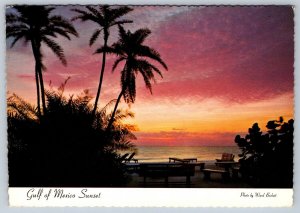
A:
{"points": [[114, 112], [101, 75], [126, 66], [37, 67], [38, 91], [42, 91]]}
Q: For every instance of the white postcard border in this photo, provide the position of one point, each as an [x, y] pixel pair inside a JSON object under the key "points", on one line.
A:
{"points": [[149, 197], [287, 194]]}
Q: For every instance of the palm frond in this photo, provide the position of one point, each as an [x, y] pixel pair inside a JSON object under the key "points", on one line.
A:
{"points": [[11, 18], [147, 76], [147, 82], [117, 62], [52, 31], [132, 89], [124, 144], [145, 64], [95, 12], [56, 49], [110, 103], [95, 36], [84, 16], [122, 33], [16, 38], [124, 21], [105, 49], [140, 35], [19, 107], [128, 86], [120, 11], [12, 31], [63, 24], [146, 51], [120, 115]]}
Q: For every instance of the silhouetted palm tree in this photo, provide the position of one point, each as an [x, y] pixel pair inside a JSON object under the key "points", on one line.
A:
{"points": [[130, 49], [35, 24], [105, 17]]}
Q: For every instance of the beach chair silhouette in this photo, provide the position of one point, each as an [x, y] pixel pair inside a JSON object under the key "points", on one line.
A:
{"points": [[123, 157], [226, 157], [130, 158]]}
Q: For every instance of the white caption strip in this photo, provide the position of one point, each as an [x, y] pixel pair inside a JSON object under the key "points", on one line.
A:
{"points": [[139, 197]]}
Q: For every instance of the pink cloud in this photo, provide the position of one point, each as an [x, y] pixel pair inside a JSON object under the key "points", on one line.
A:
{"points": [[26, 77], [238, 54]]}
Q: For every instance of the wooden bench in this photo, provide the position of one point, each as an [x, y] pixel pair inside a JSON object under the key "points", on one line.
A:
{"points": [[184, 160], [174, 160], [166, 170], [207, 172], [192, 161]]}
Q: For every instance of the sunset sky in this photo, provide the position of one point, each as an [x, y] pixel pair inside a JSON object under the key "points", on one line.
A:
{"points": [[229, 67]]}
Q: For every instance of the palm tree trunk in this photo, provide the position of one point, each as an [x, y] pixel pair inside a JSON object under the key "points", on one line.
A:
{"points": [[36, 45], [117, 103], [37, 67], [38, 91], [38, 51], [42, 90], [114, 112], [101, 76]]}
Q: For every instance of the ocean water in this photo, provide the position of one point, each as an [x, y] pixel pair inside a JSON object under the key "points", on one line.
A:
{"points": [[202, 153]]}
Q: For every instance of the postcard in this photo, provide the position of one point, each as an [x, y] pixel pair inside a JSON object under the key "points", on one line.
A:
{"points": [[150, 106]]}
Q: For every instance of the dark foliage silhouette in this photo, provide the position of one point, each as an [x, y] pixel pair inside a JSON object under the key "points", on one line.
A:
{"points": [[65, 146], [130, 49], [36, 25], [267, 159], [106, 17]]}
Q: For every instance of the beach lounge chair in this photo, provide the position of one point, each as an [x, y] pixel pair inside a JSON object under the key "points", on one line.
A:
{"points": [[130, 158], [226, 157], [123, 157]]}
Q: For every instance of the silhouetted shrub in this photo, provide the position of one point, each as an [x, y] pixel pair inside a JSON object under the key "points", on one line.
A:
{"points": [[267, 159], [67, 146]]}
